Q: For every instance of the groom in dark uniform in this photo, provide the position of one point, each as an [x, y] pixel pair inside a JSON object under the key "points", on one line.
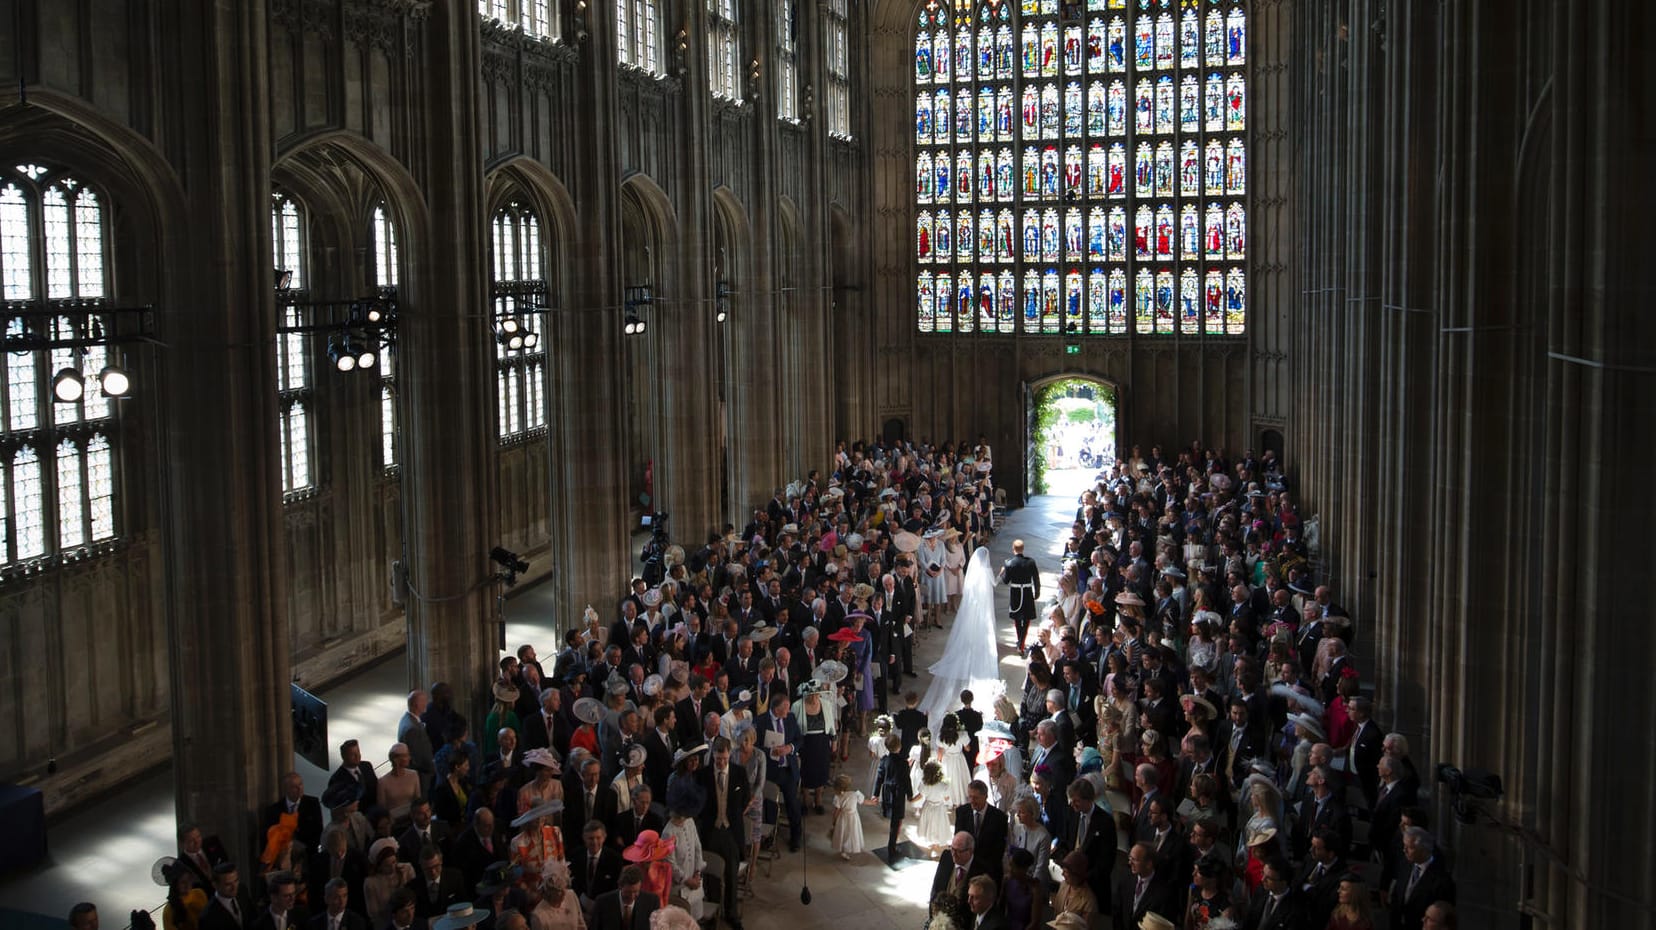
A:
{"points": [[1020, 574]]}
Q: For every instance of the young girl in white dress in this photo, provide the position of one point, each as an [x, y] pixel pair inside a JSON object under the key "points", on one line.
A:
{"points": [[951, 752], [919, 754], [933, 829], [846, 830], [877, 751]]}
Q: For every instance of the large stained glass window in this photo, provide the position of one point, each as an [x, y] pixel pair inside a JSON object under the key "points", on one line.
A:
{"points": [[1081, 166], [293, 370], [520, 293], [537, 18], [787, 59], [836, 27], [57, 459], [385, 272]]}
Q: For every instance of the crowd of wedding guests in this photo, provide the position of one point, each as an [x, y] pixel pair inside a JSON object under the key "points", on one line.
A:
{"points": [[1200, 754], [675, 737], [1191, 749]]}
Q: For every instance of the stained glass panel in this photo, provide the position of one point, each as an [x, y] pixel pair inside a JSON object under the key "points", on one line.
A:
{"points": [[1106, 104], [71, 518], [29, 505]]}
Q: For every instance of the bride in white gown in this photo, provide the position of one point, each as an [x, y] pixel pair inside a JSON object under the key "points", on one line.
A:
{"points": [[971, 658]]}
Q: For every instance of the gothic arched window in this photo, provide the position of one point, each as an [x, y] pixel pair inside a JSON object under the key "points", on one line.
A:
{"points": [[384, 267], [519, 292], [638, 34], [293, 363], [836, 45], [786, 26], [723, 50], [1067, 147], [57, 459], [537, 18]]}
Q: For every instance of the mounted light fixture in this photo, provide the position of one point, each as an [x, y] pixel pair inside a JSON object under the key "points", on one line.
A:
{"points": [[68, 386], [114, 381], [365, 355], [637, 298], [343, 356], [721, 302], [284, 279], [530, 340]]}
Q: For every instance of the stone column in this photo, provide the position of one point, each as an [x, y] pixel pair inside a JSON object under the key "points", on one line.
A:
{"points": [[450, 482], [589, 532], [221, 491], [687, 466]]}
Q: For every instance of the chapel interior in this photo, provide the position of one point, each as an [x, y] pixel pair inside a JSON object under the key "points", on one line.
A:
{"points": [[1391, 240]]}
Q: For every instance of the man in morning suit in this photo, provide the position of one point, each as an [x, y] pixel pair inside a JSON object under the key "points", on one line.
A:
{"points": [[227, 908], [986, 823], [1143, 890], [1424, 882], [1277, 905], [980, 902], [629, 906], [721, 822], [305, 807], [958, 867], [781, 763], [1089, 830], [336, 915], [595, 870]]}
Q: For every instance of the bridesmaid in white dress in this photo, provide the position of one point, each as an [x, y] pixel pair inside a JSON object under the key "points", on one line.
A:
{"points": [[934, 828], [951, 753]]}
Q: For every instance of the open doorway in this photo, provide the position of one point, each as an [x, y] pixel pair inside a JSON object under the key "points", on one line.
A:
{"points": [[1072, 435]]}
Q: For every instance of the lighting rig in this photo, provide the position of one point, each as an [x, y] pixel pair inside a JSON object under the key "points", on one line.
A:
{"points": [[357, 328], [74, 326]]}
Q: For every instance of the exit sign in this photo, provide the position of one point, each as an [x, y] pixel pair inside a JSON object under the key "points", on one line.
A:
{"points": [[1072, 349]]}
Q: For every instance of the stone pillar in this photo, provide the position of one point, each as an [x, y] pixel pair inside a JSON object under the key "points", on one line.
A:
{"points": [[687, 466], [450, 483], [590, 533], [221, 493]]}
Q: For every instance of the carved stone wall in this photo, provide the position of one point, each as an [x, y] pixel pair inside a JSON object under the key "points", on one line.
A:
{"points": [[422, 106]]}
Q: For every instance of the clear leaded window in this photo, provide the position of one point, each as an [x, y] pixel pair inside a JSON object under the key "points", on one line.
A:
{"points": [[520, 290], [538, 18], [1081, 166], [723, 50], [57, 460], [293, 363], [836, 23], [787, 58], [384, 234], [638, 34]]}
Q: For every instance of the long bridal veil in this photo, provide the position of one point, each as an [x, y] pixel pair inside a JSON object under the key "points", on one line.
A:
{"points": [[971, 659]]}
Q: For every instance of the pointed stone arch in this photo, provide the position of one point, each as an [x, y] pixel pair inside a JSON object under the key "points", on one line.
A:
{"points": [[522, 175], [341, 176], [151, 214]]}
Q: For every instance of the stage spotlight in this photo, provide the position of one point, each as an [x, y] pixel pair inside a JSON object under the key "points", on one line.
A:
{"points": [[508, 560], [375, 314], [342, 356], [509, 325], [284, 279], [365, 356], [720, 315], [68, 386], [634, 325], [530, 340], [114, 381]]}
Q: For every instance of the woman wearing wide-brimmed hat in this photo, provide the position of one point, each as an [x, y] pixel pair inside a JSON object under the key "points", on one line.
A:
{"points": [[685, 800]]}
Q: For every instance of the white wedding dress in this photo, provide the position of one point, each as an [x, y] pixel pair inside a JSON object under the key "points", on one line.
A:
{"points": [[971, 657]]}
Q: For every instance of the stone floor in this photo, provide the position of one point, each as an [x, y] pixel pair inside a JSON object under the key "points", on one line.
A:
{"points": [[103, 852]]}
